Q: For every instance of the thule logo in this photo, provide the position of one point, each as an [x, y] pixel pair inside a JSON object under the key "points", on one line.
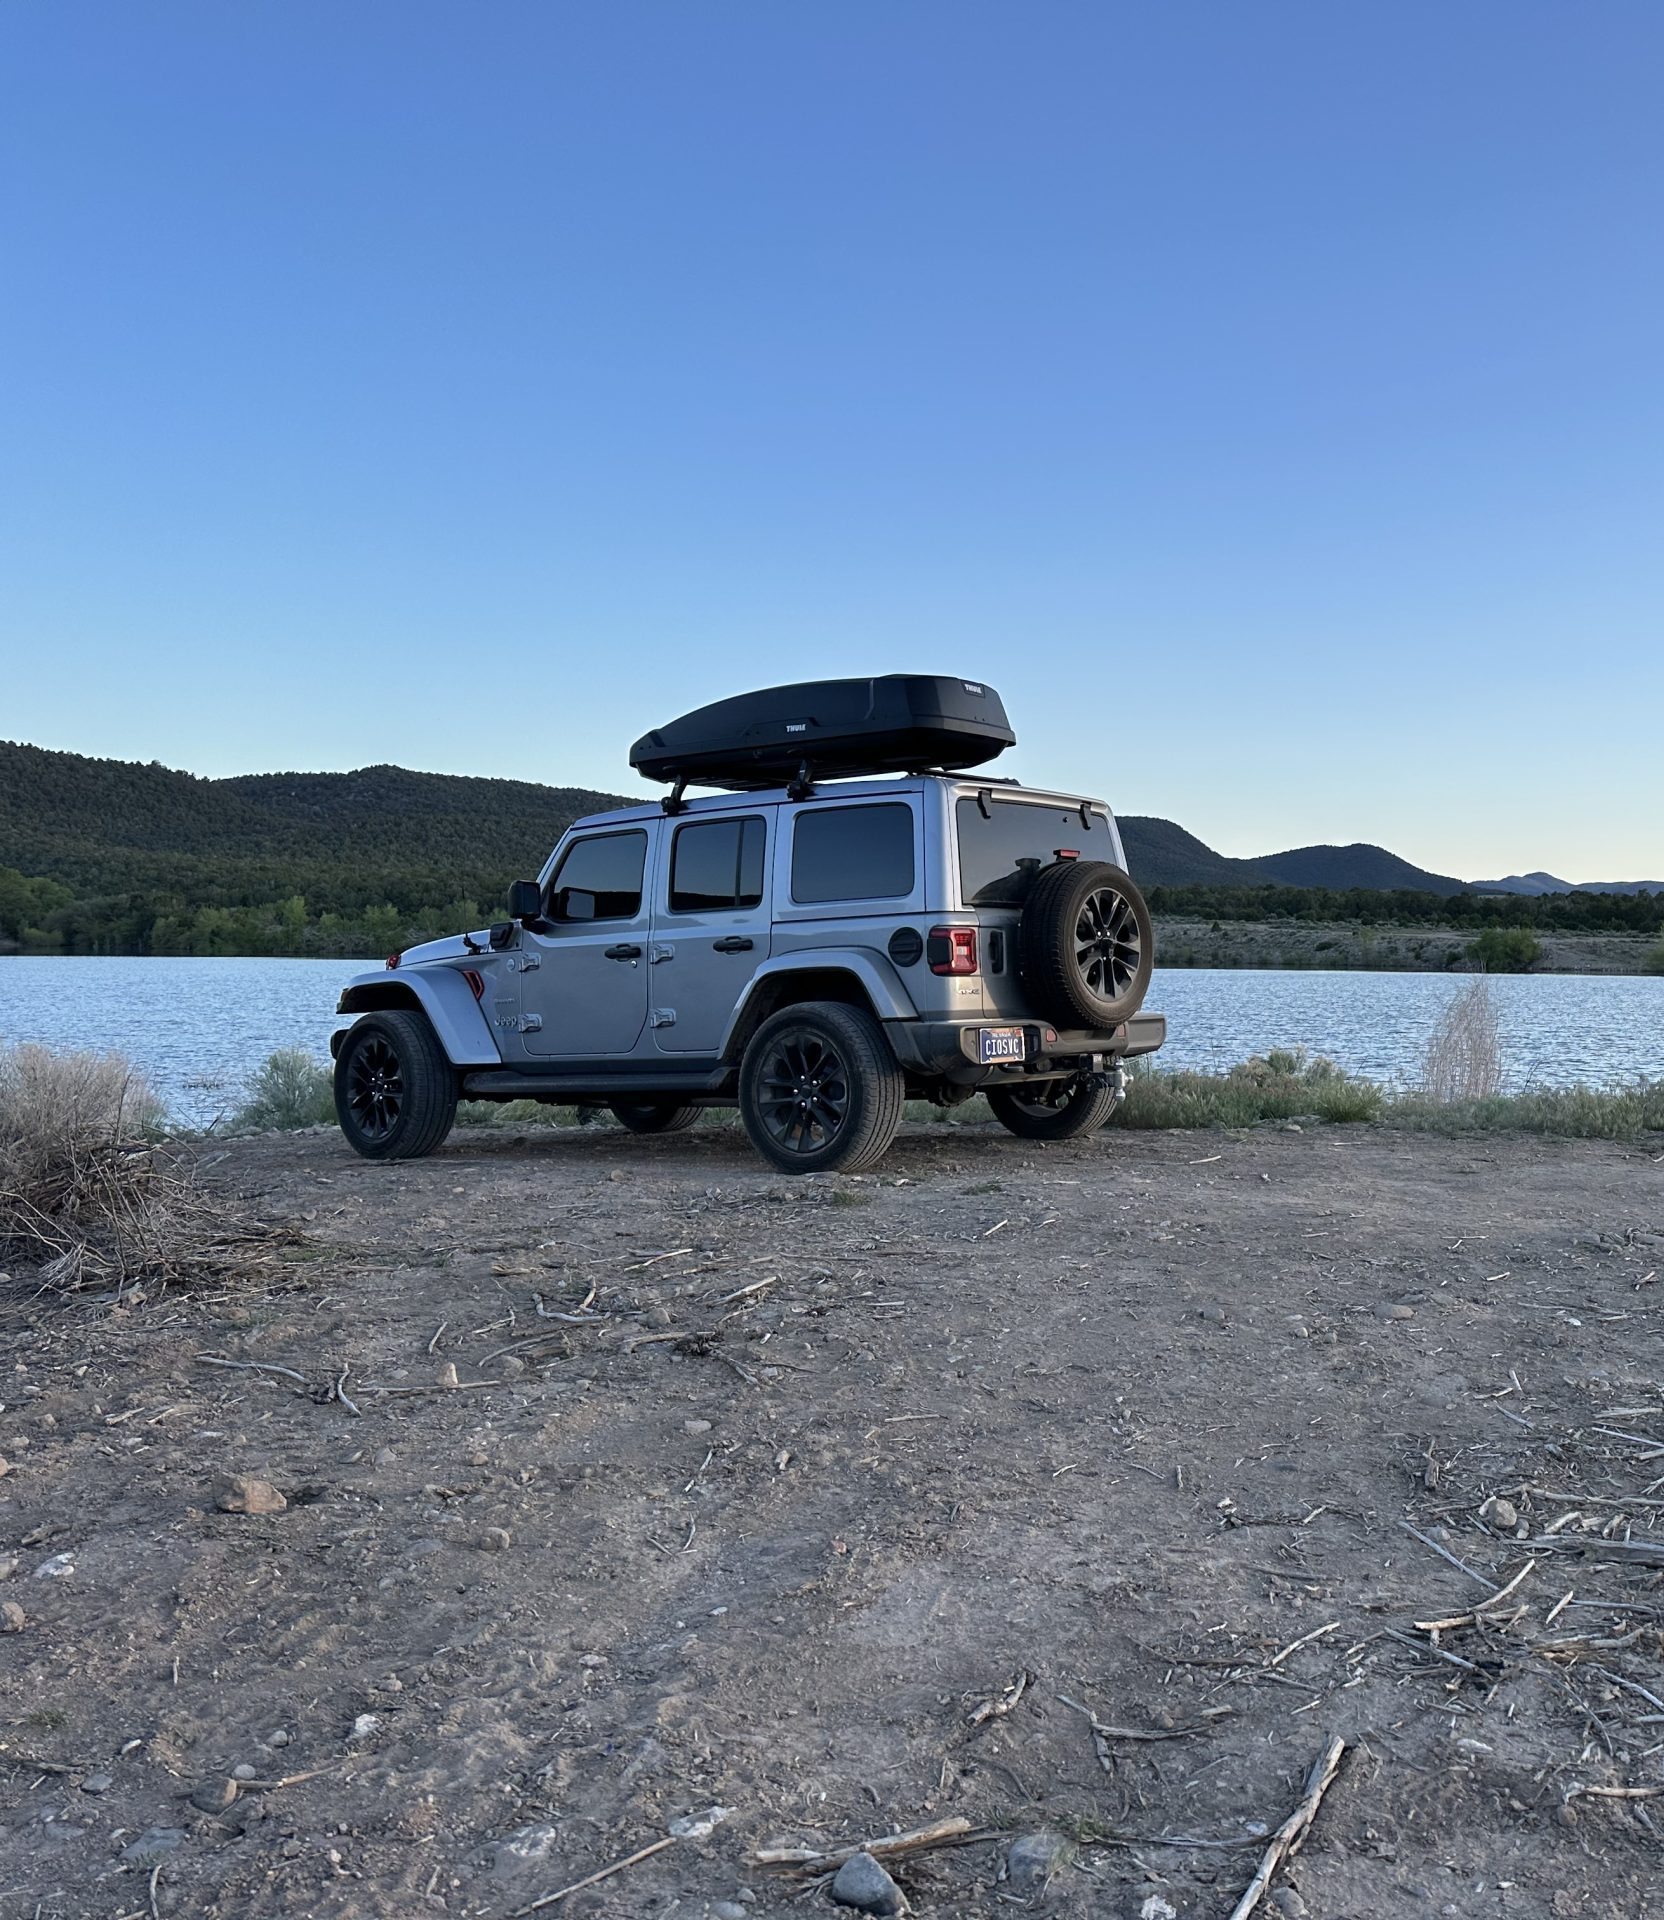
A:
{"points": [[797, 726]]}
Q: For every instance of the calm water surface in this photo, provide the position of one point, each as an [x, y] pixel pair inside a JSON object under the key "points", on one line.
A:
{"points": [[197, 1028]]}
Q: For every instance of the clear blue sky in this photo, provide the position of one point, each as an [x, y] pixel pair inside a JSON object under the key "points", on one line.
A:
{"points": [[1266, 398]]}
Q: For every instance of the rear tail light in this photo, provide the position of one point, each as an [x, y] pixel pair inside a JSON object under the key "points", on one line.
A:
{"points": [[476, 982], [952, 949]]}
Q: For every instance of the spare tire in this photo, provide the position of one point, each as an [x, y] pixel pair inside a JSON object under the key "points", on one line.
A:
{"points": [[1085, 945]]}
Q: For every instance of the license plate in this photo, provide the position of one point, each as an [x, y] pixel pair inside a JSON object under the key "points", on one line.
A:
{"points": [[1000, 1043]]}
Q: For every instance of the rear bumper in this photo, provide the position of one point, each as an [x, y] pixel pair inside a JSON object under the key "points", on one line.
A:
{"points": [[949, 1048]]}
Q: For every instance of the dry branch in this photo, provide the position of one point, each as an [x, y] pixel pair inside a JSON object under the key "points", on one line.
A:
{"points": [[590, 1879], [955, 1832], [1286, 1840]]}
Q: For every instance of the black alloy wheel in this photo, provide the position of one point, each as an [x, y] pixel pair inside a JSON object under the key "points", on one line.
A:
{"points": [[1054, 1109], [820, 1089], [395, 1089], [1109, 946]]}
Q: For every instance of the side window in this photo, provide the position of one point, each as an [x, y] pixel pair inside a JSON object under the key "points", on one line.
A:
{"points": [[716, 864], [599, 878], [853, 853]]}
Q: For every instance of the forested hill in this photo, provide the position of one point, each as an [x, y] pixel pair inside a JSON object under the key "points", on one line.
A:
{"points": [[110, 856], [124, 847]]}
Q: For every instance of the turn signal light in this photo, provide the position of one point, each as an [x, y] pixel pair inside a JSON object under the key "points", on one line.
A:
{"points": [[476, 982], [392, 961], [952, 949]]}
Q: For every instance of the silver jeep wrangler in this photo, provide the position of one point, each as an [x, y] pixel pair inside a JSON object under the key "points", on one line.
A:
{"points": [[815, 948]]}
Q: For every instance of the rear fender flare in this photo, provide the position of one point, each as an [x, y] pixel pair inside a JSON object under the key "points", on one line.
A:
{"points": [[457, 1018], [876, 980]]}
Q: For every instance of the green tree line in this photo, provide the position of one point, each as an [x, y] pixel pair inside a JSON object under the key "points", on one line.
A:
{"points": [[1468, 912]]}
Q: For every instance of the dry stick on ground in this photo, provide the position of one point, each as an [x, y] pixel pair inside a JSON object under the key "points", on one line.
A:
{"points": [[589, 1880], [1286, 1840], [1461, 1566], [251, 1366], [1475, 1614], [1305, 1640], [945, 1833], [997, 1709]]}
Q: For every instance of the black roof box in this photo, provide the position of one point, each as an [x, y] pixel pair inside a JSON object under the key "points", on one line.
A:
{"points": [[837, 729]]}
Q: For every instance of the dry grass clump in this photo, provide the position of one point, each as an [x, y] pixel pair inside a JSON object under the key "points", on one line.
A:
{"points": [[1463, 1060], [90, 1194]]}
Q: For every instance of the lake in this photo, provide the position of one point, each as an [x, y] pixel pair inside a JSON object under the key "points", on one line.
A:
{"points": [[197, 1028]]}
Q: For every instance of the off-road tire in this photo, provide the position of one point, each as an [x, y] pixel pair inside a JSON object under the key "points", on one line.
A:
{"points": [[1085, 944], [395, 1092], [820, 1090], [1075, 1107], [654, 1116]]}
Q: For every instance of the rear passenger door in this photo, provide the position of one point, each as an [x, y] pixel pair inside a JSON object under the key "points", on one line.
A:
{"points": [[710, 926]]}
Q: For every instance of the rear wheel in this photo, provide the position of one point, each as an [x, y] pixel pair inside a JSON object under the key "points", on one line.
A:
{"points": [[654, 1116], [1054, 1109], [820, 1089], [395, 1092]]}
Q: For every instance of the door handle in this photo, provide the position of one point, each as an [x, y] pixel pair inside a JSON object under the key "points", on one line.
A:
{"points": [[733, 943], [623, 953]]}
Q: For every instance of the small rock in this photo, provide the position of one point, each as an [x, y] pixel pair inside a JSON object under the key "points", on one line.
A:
{"points": [[59, 1567], [447, 1375], [12, 1617], [8, 1565], [1034, 1858], [5, 1466], [278, 1737], [98, 1783], [243, 1771], [617, 1173], [1292, 1126], [383, 1457], [1156, 1906], [1500, 1513], [154, 1844], [364, 1726], [863, 1884], [511, 1366], [730, 1910], [496, 1539], [1289, 1904], [1389, 1310], [242, 1493], [696, 1426], [657, 1316], [214, 1796]]}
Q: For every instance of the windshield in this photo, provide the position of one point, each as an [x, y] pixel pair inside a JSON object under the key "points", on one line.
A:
{"points": [[1003, 844]]}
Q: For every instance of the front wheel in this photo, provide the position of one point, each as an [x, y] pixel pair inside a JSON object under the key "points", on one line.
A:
{"points": [[1054, 1109], [820, 1090], [654, 1116], [395, 1091]]}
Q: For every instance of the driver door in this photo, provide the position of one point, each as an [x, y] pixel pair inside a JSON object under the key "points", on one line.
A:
{"points": [[587, 991]]}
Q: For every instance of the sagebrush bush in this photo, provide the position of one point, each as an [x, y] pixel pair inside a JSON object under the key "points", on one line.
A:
{"points": [[1654, 962], [1282, 1085], [290, 1091]]}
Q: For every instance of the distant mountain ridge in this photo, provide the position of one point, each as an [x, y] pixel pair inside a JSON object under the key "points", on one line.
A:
{"points": [[1540, 883], [115, 827]]}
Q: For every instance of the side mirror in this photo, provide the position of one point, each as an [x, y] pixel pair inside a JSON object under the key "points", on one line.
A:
{"points": [[525, 900]]}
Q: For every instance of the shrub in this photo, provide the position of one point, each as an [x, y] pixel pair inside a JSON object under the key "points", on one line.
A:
{"points": [[1463, 1059], [291, 1090], [1506, 949], [1283, 1084], [1577, 1113], [1654, 962]]}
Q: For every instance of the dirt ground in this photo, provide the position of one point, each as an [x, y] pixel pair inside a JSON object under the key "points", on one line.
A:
{"points": [[811, 1472]]}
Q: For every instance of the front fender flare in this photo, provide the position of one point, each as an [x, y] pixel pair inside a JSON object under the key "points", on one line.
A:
{"points": [[456, 1017]]}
